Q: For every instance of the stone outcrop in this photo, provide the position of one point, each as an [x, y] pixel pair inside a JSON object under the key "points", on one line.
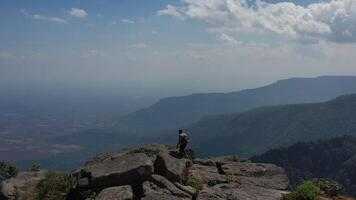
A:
{"points": [[116, 193], [120, 170], [157, 172], [22, 186]]}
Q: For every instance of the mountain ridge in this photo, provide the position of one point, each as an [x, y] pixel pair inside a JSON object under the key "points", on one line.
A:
{"points": [[178, 111], [260, 129]]}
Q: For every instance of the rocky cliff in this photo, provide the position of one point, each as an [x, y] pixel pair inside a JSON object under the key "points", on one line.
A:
{"points": [[157, 172]]}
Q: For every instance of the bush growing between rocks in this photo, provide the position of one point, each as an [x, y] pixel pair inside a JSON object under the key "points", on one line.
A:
{"points": [[56, 186], [35, 167], [196, 183], [305, 191], [7, 171], [329, 187]]}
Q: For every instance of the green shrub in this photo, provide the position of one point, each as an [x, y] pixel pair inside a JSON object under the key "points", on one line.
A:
{"points": [[196, 183], [305, 191], [329, 187], [56, 186], [35, 167], [7, 170], [12, 171]]}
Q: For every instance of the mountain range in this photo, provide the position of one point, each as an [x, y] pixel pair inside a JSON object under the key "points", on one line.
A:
{"points": [[261, 129], [174, 112]]}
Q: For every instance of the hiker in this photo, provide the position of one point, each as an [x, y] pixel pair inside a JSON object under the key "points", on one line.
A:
{"points": [[182, 143]]}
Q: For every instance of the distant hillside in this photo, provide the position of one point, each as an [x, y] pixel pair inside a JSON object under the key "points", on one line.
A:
{"points": [[261, 129], [334, 158], [177, 111]]}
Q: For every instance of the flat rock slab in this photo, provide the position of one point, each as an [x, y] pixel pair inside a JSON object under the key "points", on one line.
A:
{"points": [[248, 192], [206, 174], [151, 150], [251, 169], [116, 193], [278, 182], [123, 170], [236, 191]]}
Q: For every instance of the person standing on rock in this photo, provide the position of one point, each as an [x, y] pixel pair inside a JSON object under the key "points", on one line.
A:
{"points": [[182, 143]]}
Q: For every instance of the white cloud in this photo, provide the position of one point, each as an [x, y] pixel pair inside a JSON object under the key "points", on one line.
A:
{"points": [[228, 39], [77, 12], [7, 56], [50, 19], [334, 20], [42, 17], [127, 21], [171, 11]]}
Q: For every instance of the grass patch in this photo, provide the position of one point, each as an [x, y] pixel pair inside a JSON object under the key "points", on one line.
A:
{"points": [[56, 186]]}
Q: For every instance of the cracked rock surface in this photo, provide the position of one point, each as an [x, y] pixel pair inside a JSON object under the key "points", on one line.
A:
{"points": [[157, 172]]}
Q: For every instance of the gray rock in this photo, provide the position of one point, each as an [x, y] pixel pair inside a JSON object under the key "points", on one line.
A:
{"points": [[251, 169], [186, 188], [235, 191], [116, 193], [162, 182], [278, 182], [206, 162], [250, 192], [172, 168], [161, 174], [22, 186], [206, 174], [212, 193], [155, 192], [262, 175], [122, 170], [151, 150]]}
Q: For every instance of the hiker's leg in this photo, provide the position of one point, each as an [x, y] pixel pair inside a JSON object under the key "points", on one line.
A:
{"points": [[182, 150]]}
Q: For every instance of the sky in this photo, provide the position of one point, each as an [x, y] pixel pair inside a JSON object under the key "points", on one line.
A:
{"points": [[173, 47]]}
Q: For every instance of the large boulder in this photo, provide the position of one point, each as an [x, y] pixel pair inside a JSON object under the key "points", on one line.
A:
{"points": [[187, 189], [22, 186], [161, 188], [151, 150], [174, 169], [122, 170], [235, 191], [164, 183], [116, 193]]}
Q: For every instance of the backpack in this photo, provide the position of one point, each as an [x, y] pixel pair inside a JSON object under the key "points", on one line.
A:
{"points": [[184, 139]]}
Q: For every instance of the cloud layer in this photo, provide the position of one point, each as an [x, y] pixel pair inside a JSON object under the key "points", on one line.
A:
{"points": [[333, 21], [48, 18], [76, 12]]}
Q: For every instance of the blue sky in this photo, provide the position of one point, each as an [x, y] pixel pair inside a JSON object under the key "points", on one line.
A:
{"points": [[173, 47]]}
